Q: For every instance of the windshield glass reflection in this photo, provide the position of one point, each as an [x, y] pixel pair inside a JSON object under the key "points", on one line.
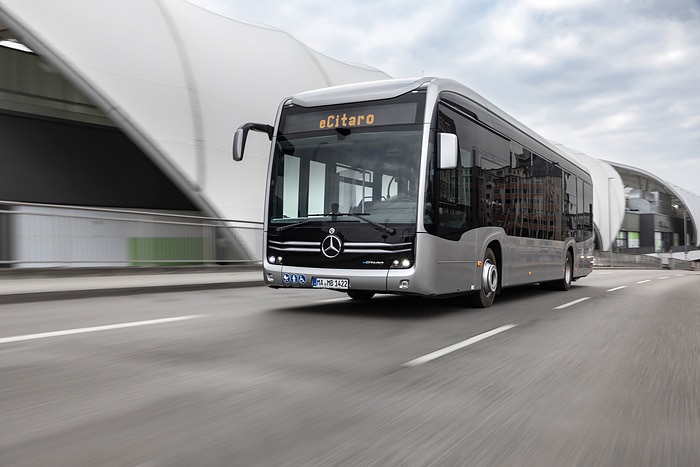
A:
{"points": [[346, 176]]}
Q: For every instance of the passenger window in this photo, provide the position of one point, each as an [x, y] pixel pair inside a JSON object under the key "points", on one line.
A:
{"points": [[454, 188]]}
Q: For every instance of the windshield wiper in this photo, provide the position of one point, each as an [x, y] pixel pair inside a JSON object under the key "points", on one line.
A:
{"points": [[360, 216], [305, 221], [291, 226]]}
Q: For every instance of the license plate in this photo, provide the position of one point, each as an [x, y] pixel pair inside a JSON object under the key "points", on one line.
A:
{"points": [[324, 283]]}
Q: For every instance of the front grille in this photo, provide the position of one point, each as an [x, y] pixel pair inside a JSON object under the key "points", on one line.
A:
{"points": [[348, 247], [294, 246]]}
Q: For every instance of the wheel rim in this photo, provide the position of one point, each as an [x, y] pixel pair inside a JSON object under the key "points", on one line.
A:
{"points": [[567, 270], [489, 278]]}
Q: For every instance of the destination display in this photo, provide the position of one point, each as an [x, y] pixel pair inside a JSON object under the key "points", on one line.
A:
{"points": [[350, 117]]}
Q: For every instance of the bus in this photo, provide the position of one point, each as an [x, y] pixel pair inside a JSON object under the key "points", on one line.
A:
{"points": [[417, 187]]}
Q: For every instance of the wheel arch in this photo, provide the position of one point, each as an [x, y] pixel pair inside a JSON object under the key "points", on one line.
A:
{"points": [[496, 247], [570, 249]]}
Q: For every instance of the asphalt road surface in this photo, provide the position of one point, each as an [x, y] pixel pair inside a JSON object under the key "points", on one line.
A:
{"points": [[607, 374]]}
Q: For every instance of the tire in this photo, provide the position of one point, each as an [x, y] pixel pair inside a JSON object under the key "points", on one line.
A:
{"points": [[489, 282], [565, 283], [361, 295]]}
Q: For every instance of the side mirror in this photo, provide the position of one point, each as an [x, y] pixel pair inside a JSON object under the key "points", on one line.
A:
{"points": [[448, 150], [241, 135], [239, 138]]}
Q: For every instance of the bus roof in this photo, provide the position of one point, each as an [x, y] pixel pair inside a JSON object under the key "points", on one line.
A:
{"points": [[368, 91], [390, 88]]}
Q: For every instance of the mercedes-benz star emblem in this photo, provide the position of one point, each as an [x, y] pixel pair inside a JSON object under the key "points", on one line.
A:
{"points": [[331, 246]]}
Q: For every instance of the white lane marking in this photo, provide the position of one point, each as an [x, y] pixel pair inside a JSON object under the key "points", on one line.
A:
{"points": [[67, 332], [457, 346], [617, 288], [644, 281], [565, 305], [663, 277]]}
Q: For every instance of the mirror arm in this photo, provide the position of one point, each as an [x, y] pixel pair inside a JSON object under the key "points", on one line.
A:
{"points": [[260, 127], [241, 135]]}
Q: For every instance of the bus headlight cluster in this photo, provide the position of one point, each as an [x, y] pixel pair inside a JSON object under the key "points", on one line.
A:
{"points": [[275, 260], [401, 264]]}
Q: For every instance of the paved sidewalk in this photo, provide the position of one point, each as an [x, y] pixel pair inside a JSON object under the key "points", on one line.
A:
{"points": [[46, 284]]}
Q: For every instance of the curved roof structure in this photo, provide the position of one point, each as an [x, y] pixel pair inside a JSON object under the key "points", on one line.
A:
{"points": [[638, 178], [178, 79]]}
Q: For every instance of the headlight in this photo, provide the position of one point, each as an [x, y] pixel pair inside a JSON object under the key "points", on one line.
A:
{"points": [[401, 264]]}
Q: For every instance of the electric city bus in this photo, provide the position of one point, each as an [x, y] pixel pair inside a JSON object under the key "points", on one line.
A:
{"points": [[417, 187]]}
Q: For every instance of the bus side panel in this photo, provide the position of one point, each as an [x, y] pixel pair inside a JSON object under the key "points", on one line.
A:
{"points": [[584, 259], [446, 266], [520, 262], [552, 256]]}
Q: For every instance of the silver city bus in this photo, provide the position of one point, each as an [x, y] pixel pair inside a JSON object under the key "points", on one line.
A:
{"points": [[418, 187]]}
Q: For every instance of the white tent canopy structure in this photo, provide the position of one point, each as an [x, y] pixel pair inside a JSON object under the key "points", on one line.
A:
{"points": [[635, 177], [178, 79]]}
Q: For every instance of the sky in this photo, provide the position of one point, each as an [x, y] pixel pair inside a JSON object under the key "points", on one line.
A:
{"points": [[616, 79]]}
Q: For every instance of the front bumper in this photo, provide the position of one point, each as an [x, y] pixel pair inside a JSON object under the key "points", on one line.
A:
{"points": [[376, 280]]}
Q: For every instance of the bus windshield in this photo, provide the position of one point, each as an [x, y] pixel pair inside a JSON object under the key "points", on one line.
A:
{"points": [[347, 175]]}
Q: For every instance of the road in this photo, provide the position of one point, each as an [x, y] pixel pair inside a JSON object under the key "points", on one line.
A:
{"points": [[607, 373]]}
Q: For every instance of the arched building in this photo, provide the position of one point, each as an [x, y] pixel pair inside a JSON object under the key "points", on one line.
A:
{"points": [[659, 216], [133, 103]]}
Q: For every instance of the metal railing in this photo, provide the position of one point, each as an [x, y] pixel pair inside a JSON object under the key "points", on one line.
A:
{"points": [[50, 235], [620, 260], [47, 235]]}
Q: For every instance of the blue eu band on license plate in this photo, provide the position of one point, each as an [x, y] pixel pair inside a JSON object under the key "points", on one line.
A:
{"points": [[327, 283]]}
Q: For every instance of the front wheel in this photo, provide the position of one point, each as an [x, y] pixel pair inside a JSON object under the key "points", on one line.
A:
{"points": [[489, 282]]}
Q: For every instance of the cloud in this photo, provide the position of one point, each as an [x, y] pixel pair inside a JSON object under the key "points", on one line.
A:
{"points": [[616, 79]]}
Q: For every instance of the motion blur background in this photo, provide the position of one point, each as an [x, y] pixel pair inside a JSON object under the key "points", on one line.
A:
{"points": [[116, 149]]}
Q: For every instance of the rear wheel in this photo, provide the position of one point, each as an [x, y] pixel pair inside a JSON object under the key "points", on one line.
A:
{"points": [[362, 295], [565, 283], [489, 282]]}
